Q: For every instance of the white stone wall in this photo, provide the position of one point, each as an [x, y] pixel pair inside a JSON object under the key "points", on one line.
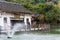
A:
{"points": [[7, 15], [1, 21]]}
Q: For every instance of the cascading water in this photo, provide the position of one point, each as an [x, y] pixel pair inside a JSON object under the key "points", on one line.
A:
{"points": [[29, 36], [16, 27]]}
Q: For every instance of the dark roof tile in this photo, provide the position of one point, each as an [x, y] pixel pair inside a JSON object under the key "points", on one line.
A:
{"points": [[12, 7]]}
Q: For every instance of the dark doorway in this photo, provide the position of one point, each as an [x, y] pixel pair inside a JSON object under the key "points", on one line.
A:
{"points": [[16, 21]]}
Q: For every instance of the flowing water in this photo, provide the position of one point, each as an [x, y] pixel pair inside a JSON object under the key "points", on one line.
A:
{"points": [[17, 26], [31, 36]]}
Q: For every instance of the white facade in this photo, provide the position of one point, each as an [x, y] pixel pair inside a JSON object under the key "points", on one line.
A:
{"points": [[9, 15]]}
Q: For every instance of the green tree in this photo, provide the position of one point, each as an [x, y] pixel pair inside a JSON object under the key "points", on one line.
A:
{"points": [[46, 12]]}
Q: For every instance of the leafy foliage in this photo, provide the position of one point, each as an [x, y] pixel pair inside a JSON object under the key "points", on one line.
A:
{"points": [[46, 12]]}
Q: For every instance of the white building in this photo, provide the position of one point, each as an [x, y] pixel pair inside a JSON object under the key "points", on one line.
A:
{"points": [[11, 13]]}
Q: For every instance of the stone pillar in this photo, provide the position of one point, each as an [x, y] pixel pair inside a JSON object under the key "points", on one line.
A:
{"points": [[8, 27], [30, 20], [8, 21], [25, 21], [1, 21]]}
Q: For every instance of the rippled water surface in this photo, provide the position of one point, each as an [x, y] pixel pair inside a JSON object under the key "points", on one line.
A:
{"points": [[31, 36]]}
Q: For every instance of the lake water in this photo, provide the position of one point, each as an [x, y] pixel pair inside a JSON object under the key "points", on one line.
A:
{"points": [[31, 36]]}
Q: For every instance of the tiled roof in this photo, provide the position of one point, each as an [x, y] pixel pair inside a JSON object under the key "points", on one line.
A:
{"points": [[12, 7]]}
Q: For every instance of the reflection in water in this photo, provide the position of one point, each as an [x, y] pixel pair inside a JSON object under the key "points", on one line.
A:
{"points": [[16, 27]]}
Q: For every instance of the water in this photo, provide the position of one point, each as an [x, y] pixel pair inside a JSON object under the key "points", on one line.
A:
{"points": [[28, 35], [32, 36], [15, 27]]}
